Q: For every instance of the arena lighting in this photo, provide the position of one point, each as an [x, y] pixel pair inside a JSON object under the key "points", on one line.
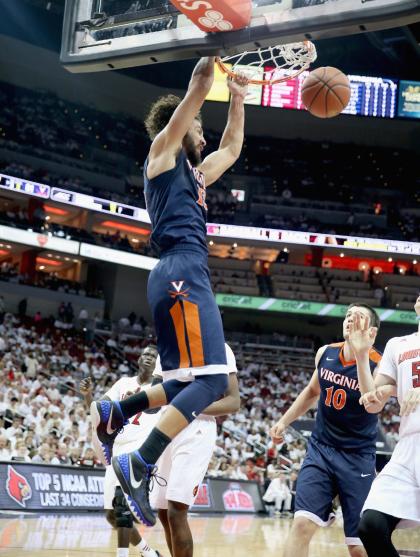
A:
{"points": [[125, 227], [55, 210], [49, 262]]}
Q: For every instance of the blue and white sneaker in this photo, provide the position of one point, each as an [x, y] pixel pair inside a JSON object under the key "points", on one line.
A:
{"points": [[107, 422], [134, 475]]}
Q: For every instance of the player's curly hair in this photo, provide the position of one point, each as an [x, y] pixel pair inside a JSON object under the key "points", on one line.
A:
{"points": [[160, 113]]}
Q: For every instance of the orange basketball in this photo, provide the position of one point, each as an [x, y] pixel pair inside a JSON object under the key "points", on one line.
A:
{"points": [[326, 92]]}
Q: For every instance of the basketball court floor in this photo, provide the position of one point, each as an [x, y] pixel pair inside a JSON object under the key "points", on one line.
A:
{"points": [[69, 535]]}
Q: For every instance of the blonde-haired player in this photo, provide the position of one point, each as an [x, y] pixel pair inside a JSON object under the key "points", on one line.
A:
{"points": [[394, 499], [138, 428]]}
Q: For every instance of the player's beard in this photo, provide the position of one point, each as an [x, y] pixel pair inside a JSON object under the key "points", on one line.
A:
{"points": [[192, 151]]}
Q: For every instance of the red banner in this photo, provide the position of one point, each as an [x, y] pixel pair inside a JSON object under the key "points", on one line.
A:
{"points": [[212, 16]]}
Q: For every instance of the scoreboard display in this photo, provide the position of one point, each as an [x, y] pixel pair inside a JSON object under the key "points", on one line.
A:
{"points": [[409, 99], [377, 97], [370, 96]]}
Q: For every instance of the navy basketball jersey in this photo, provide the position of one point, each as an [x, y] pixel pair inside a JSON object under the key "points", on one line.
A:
{"points": [[341, 421], [176, 203]]}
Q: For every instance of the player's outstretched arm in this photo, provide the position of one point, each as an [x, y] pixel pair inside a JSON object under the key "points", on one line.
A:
{"points": [[304, 402], [230, 146], [230, 403], [169, 141]]}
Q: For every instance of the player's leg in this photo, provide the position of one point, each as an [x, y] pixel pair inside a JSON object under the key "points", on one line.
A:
{"points": [[163, 517], [355, 474], [394, 497], [299, 538], [315, 491], [182, 540], [192, 449], [375, 531], [127, 533], [190, 337], [194, 341]]}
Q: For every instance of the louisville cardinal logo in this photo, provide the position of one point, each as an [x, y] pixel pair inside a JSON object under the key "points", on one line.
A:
{"points": [[17, 486]]}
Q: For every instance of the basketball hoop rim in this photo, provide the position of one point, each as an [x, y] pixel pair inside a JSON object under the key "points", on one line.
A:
{"points": [[224, 69]]}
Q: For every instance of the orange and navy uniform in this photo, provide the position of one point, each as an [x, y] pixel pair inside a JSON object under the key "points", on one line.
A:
{"points": [[341, 421], [187, 319]]}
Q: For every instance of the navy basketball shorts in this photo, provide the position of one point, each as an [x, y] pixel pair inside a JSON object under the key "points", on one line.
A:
{"points": [[327, 472], [188, 323]]}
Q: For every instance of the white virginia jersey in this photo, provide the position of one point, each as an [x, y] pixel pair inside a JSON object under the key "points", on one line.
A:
{"points": [[231, 367], [140, 424], [401, 361]]}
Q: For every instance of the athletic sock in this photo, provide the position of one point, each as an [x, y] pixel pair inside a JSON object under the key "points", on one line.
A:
{"points": [[146, 550], [122, 552], [134, 404], [154, 446]]}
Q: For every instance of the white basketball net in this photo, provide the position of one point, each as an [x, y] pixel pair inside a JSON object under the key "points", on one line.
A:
{"points": [[287, 61]]}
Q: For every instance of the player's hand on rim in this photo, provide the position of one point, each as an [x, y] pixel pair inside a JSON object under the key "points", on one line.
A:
{"points": [[410, 402], [238, 85], [361, 335]]}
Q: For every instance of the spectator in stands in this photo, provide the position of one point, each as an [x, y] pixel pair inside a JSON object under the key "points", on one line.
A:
{"points": [[44, 455], [123, 368], [89, 458], [22, 307], [37, 318], [62, 456], [278, 492], [20, 452], [5, 453], [83, 317]]}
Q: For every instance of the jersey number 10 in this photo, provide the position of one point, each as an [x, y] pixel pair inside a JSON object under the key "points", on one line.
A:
{"points": [[336, 398]]}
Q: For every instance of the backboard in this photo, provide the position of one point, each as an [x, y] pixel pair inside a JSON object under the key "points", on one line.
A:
{"points": [[111, 34]]}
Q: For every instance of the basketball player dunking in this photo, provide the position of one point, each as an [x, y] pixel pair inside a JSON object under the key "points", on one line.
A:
{"points": [[188, 323], [341, 451], [394, 500]]}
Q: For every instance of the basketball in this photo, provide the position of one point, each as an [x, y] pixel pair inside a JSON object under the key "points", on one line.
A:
{"points": [[326, 92]]}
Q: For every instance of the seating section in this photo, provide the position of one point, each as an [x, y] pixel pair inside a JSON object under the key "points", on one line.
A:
{"points": [[231, 276], [401, 290], [296, 282]]}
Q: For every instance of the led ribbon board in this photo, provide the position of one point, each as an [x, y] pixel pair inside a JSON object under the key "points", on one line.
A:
{"points": [[308, 308]]}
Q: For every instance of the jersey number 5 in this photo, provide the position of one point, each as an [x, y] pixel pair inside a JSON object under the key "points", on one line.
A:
{"points": [[338, 399], [415, 371]]}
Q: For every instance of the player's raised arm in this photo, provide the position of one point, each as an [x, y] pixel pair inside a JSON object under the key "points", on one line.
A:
{"points": [[215, 164], [361, 338], [168, 142], [304, 402], [384, 383]]}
